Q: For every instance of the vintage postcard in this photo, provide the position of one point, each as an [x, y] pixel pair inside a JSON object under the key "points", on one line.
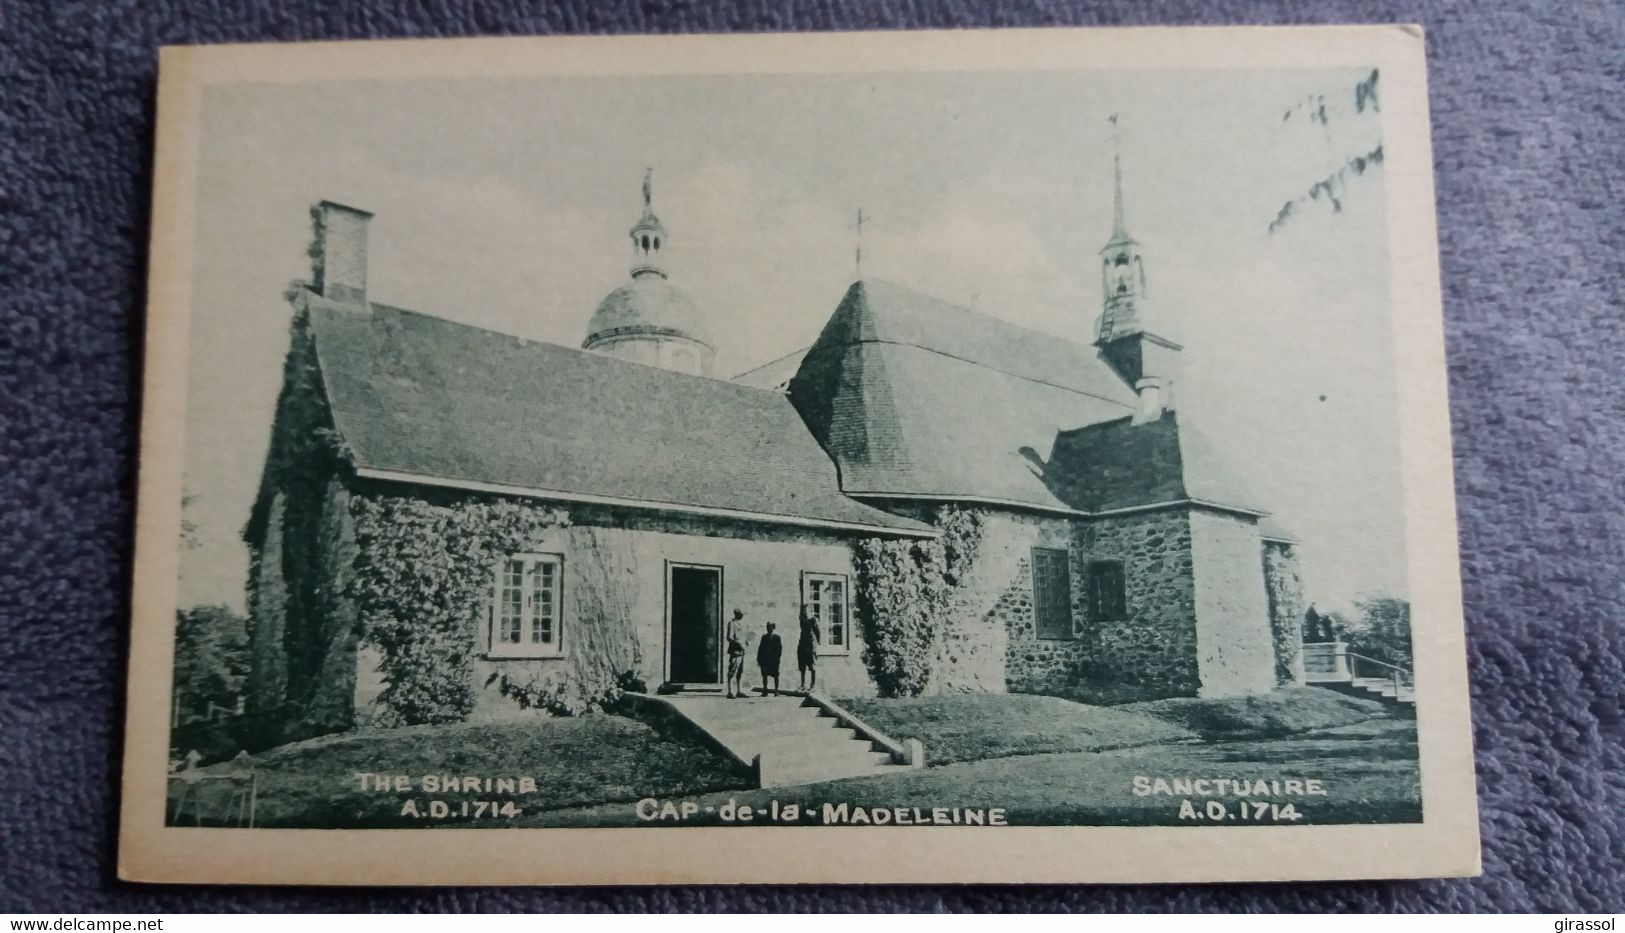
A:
{"points": [[1002, 456]]}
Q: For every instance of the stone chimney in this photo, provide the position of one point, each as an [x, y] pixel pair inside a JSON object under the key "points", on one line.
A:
{"points": [[1149, 363], [339, 254], [1152, 400]]}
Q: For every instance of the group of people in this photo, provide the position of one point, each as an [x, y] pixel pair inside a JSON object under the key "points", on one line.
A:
{"points": [[769, 650]]}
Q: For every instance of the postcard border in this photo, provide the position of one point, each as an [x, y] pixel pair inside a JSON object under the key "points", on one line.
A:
{"points": [[1446, 842]]}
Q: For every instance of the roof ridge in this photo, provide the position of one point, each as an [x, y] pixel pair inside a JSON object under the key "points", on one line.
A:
{"points": [[803, 351], [983, 315], [965, 359], [613, 361]]}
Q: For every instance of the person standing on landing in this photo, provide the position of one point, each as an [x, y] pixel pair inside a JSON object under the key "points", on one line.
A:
{"points": [[767, 658], [736, 658], [807, 651]]}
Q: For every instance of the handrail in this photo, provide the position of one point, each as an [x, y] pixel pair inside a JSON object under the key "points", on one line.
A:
{"points": [[1392, 667]]}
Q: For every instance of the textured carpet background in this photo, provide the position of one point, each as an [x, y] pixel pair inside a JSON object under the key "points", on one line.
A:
{"points": [[1528, 100]]}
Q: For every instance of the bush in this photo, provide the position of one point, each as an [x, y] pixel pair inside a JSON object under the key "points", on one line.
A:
{"points": [[904, 592], [213, 740], [211, 661]]}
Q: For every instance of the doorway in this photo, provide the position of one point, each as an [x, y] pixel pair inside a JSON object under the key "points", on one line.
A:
{"points": [[694, 624]]}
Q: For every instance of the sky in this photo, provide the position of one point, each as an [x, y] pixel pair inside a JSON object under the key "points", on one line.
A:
{"points": [[504, 203]]}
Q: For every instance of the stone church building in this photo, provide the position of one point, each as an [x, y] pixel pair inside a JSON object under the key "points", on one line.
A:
{"points": [[454, 522]]}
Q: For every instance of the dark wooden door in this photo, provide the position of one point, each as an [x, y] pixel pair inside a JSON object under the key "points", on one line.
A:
{"points": [[696, 625]]}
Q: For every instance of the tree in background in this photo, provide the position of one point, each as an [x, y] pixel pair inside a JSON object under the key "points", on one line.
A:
{"points": [[1382, 630], [211, 662], [211, 648]]}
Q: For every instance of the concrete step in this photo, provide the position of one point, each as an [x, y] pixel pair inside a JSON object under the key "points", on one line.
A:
{"points": [[787, 778], [838, 738], [1378, 689], [795, 740], [821, 757], [814, 732]]}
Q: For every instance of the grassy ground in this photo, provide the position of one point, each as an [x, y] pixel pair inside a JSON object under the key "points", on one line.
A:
{"points": [[972, 727], [1045, 760], [577, 761], [1285, 712], [1368, 772]]}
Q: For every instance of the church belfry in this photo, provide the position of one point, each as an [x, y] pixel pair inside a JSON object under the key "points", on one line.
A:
{"points": [[649, 320], [648, 234], [1122, 268]]}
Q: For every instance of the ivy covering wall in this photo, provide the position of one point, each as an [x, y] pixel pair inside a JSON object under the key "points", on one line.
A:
{"points": [[422, 587], [1284, 587], [297, 543], [423, 581], [904, 594]]}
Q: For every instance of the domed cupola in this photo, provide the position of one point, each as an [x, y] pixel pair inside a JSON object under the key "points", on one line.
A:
{"points": [[649, 320]]}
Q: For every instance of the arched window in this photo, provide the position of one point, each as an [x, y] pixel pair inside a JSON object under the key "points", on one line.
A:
{"points": [[645, 242]]}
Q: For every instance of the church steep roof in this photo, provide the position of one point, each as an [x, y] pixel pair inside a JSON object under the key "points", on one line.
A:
{"points": [[915, 397], [419, 398]]}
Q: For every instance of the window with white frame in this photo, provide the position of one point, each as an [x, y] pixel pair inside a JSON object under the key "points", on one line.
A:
{"points": [[824, 595], [525, 619]]}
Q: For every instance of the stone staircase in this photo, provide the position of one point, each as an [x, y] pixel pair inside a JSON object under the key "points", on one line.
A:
{"points": [[1384, 689], [795, 739], [1333, 666], [1400, 700]]}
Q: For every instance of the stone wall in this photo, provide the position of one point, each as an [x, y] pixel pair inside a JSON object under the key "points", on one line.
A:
{"points": [[1033, 664], [990, 643], [1235, 651], [987, 643], [1283, 588], [1155, 647]]}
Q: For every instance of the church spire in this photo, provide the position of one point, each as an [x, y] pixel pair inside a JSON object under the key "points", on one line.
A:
{"points": [[1119, 228], [1122, 270], [648, 235]]}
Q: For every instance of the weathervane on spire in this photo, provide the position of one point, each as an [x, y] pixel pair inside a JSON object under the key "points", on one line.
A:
{"points": [[648, 187]]}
